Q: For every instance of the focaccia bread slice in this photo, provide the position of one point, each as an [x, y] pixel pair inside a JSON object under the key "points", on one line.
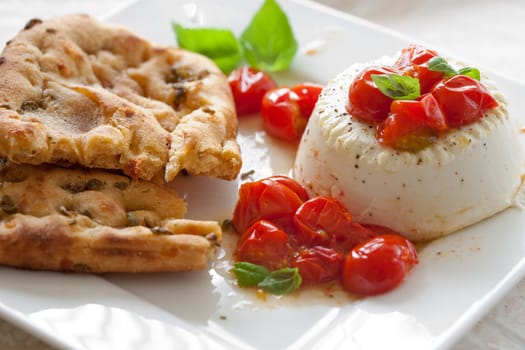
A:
{"points": [[94, 221], [76, 91]]}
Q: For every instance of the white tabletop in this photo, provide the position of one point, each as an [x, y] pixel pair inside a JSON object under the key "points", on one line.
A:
{"points": [[484, 31]]}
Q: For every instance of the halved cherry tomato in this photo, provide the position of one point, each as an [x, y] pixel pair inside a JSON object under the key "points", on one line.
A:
{"points": [[463, 100], [248, 86], [378, 265], [274, 198], [324, 221], [365, 101], [406, 127], [318, 264], [265, 244], [307, 94], [282, 117]]}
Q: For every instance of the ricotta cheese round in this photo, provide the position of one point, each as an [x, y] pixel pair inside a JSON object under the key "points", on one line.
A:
{"points": [[467, 175]]}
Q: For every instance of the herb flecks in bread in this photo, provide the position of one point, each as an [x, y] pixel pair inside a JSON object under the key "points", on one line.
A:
{"points": [[94, 221], [75, 91]]}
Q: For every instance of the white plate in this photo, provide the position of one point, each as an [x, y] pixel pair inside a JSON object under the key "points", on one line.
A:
{"points": [[457, 281]]}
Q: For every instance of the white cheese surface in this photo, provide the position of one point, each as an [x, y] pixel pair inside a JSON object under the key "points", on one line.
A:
{"points": [[468, 175]]}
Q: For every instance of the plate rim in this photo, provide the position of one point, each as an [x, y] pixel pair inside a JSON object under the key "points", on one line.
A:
{"points": [[445, 339]]}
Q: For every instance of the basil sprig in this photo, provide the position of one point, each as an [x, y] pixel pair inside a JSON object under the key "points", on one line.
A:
{"points": [[278, 282], [268, 43], [439, 64], [249, 274], [282, 281], [397, 87], [220, 45], [471, 72]]}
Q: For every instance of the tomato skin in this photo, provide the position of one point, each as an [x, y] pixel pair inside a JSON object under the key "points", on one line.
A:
{"points": [[413, 61], [356, 234], [365, 101], [307, 94], [427, 78], [378, 265], [273, 198], [291, 184], [318, 264], [285, 111], [318, 219], [323, 221], [414, 55], [435, 117], [264, 244], [281, 114], [248, 86], [463, 100]]}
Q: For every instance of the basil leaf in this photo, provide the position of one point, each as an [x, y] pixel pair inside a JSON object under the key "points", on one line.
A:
{"points": [[470, 72], [282, 281], [268, 42], [220, 45], [398, 87], [249, 274], [439, 64]]}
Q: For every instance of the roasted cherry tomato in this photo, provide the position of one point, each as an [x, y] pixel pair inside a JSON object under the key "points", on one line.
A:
{"points": [[265, 244], [307, 94], [318, 219], [318, 264], [463, 100], [248, 86], [378, 265], [414, 62], [291, 184], [365, 101], [282, 117], [324, 221], [285, 111], [406, 127], [413, 55], [274, 198], [427, 78], [435, 118]]}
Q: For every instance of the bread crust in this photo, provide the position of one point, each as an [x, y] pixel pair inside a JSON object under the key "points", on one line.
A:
{"points": [[76, 91], [85, 220]]}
